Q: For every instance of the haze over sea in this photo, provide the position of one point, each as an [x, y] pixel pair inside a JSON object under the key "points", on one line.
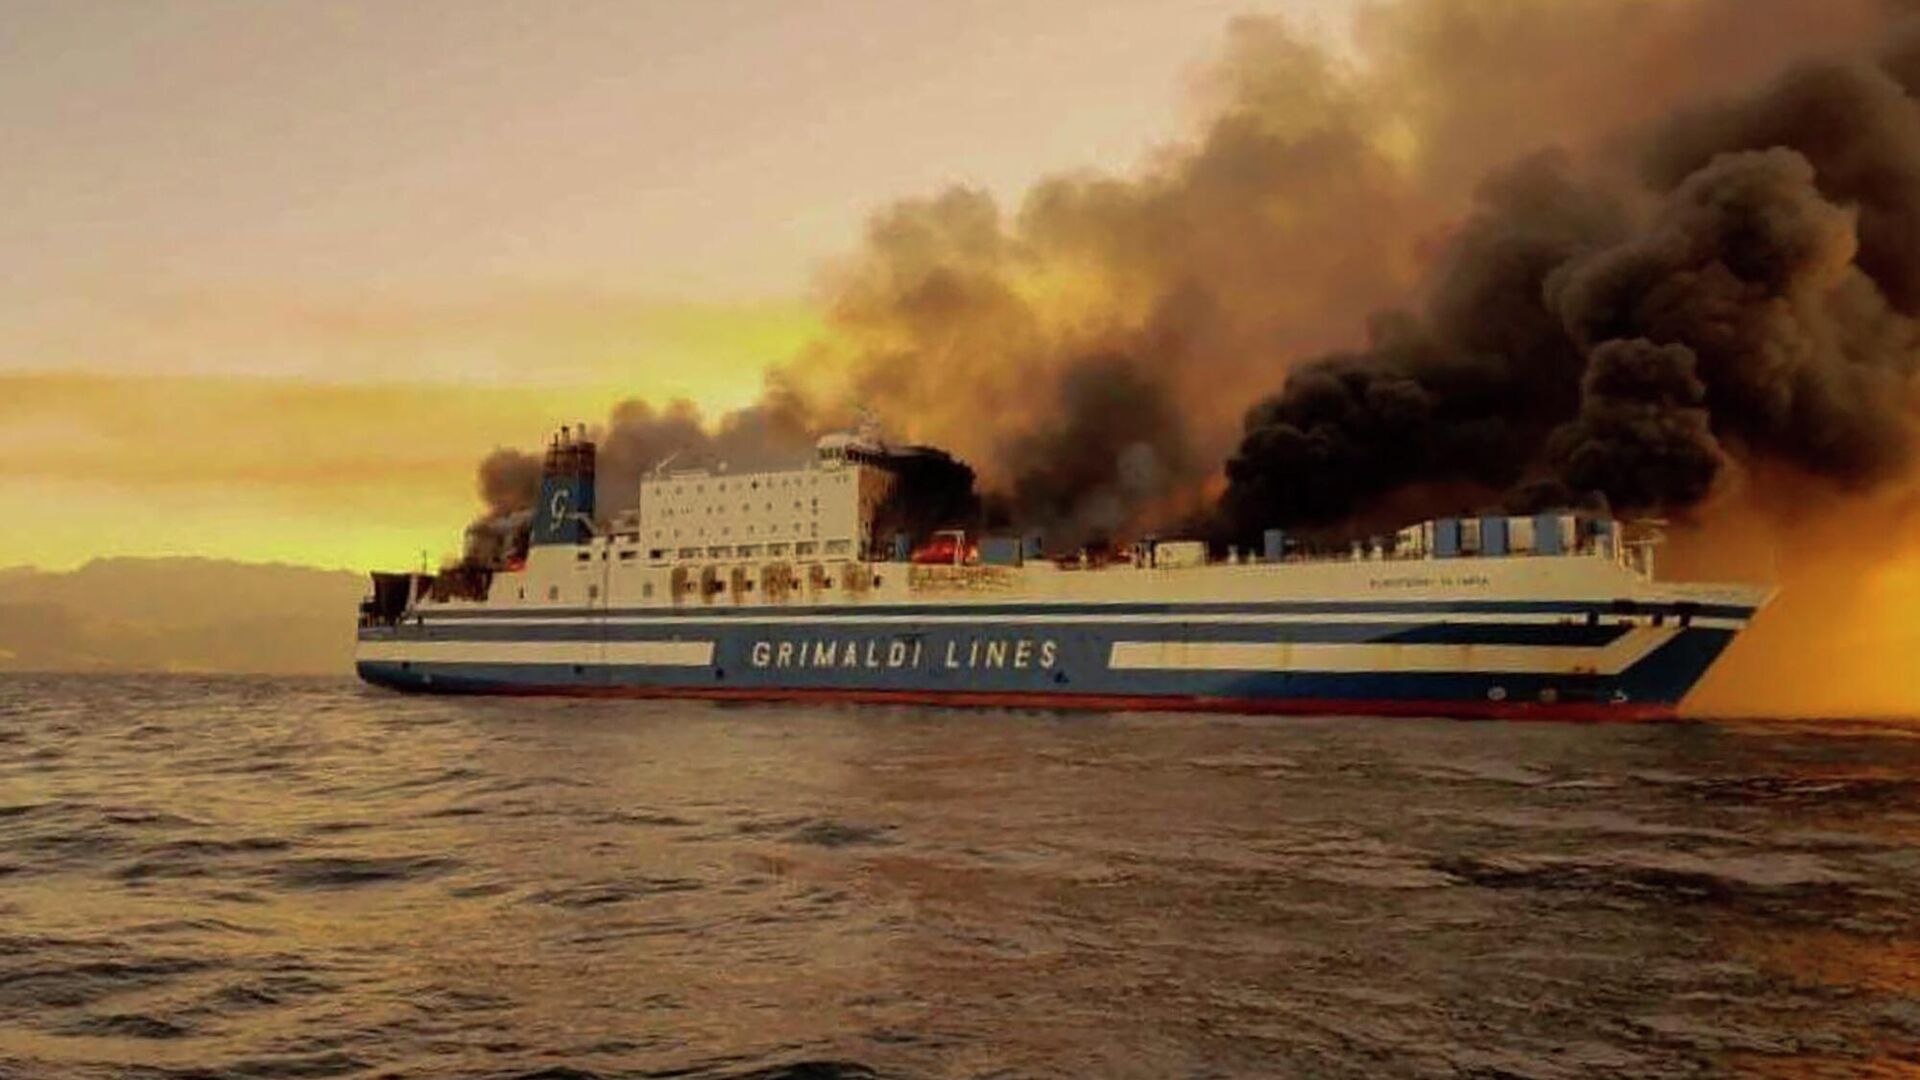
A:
{"points": [[251, 877]]}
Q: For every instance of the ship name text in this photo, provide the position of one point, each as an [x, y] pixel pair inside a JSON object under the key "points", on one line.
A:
{"points": [[1003, 654]]}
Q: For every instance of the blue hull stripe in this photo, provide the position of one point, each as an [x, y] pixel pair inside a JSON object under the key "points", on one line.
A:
{"points": [[1573, 634], [1293, 607]]}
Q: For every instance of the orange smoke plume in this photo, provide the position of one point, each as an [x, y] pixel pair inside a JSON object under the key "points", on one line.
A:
{"points": [[1842, 637]]}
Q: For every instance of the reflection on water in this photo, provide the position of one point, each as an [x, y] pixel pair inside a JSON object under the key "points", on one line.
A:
{"points": [[257, 878]]}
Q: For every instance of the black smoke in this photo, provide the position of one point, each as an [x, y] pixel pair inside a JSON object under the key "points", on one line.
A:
{"points": [[508, 482], [1641, 435], [1462, 396], [1114, 443], [638, 437], [932, 491], [1754, 304]]}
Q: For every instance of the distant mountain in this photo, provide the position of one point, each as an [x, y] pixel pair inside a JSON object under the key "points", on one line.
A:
{"points": [[179, 614]]}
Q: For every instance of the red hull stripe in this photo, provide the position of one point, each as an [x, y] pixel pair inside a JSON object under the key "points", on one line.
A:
{"points": [[1472, 710]]}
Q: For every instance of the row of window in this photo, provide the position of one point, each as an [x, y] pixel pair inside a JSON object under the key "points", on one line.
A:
{"points": [[746, 507], [727, 530], [801, 548], [712, 588], [754, 483]]}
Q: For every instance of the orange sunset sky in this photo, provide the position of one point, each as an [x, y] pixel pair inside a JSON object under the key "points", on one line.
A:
{"points": [[277, 275]]}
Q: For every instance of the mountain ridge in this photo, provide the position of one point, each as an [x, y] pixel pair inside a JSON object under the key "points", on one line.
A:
{"points": [[178, 614]]}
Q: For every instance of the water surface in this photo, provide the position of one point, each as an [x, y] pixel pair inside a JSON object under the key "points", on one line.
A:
{"points": [[234, 878]]}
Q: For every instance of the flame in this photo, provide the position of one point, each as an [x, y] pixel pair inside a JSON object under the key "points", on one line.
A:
{"points": [[1842, 637]]}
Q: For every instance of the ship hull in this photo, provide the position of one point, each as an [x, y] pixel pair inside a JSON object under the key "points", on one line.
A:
{"points": [[1519, 659]]}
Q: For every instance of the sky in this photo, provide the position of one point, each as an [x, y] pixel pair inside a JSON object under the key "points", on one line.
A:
{"points": [[276, 275]]}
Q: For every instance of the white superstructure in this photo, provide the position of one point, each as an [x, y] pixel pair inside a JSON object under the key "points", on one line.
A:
{"points": [[821, 510]]}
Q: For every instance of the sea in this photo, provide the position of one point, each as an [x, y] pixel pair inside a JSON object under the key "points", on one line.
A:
{"points": [[248, 878]]}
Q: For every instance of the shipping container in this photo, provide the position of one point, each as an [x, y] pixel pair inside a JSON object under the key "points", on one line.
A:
{"points": [[1001, 550], [1547, 539], [1493, 536]]}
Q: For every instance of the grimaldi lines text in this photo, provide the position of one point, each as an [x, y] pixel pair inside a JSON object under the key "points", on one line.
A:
{"points": [[774, 586]]}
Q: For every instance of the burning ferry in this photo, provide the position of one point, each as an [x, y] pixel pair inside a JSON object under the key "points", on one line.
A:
{"points": [[774, 586]]}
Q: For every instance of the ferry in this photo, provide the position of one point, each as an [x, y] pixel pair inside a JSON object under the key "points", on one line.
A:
{"points": [[773, 586]]}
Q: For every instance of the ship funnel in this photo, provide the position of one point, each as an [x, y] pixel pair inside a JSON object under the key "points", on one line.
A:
{"points": [[564, 514]]}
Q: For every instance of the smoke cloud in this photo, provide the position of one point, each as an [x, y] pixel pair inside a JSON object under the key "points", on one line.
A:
{"points": [[508, 482], [1322, 188], [635, 439], [1623, 256], [1741, 317]]}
